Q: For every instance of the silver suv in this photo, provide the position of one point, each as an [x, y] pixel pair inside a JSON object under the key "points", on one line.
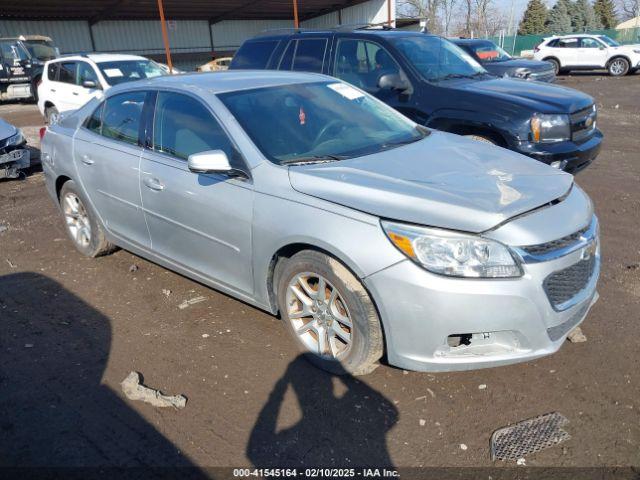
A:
{"points": [[306, 197]]}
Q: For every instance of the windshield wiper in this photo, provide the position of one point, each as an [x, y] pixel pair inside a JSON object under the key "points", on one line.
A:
{"points": [[313, 159]]}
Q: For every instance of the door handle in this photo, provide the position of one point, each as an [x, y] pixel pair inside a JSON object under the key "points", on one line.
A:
{"points": [[75, 93], [86, 160], [53, 90], [153, 184]]}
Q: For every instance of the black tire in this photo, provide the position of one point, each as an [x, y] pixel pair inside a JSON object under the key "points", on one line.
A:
{"points": [[97, 244], [367, 344], [618, 67], [34, 89], [556, 65], [481, 138], [49, 112]]}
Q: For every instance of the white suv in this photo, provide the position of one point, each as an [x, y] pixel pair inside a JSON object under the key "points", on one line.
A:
{"points": [[588, 52], [71, 81]]}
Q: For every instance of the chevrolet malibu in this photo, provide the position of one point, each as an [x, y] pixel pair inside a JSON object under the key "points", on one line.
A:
{"points": [[368, 234]]}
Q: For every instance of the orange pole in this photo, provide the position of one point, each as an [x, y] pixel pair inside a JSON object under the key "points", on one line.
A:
{"points": [[389, 12], [165, 37], [295, 14]]}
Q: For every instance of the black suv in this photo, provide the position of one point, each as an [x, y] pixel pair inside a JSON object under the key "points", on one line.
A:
{"points": [[437, 84]]}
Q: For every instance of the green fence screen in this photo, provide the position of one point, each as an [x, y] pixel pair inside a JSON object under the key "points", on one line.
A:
{"points": [[516, 44]]}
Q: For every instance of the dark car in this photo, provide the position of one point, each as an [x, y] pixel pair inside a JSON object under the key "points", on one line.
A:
{"points": [[500, 63], [439, 85]]}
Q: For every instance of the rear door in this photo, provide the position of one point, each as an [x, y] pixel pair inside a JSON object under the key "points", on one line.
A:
{"points": [[566, 50], [200, 221], [107, 155]]}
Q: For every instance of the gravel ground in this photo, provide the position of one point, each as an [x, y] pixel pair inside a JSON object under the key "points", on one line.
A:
{"points": [[73, 328]]}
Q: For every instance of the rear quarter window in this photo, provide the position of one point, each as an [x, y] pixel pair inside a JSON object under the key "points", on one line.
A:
{"points": [[52, 71], [254, 54]]}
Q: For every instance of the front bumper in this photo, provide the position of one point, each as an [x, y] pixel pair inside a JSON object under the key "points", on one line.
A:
{"points": [[573, 156], [503, 320]]}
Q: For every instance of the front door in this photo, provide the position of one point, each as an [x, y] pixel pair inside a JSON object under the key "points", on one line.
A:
{"points": [[200, 221], [591, 53], [107, 154]]}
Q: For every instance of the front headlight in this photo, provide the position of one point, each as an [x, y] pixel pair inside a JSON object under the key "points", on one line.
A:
{"points": [[523, 73], [550, 128], [452, 253], [16, 139]]}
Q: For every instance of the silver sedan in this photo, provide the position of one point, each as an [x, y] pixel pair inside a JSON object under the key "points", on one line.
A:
{"points": [[309, 198]]}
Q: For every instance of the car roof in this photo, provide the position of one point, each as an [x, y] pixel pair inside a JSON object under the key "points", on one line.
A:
{"points": [[100, 57], [286, 33], [470, 41], [227, 80], [575, 35]]}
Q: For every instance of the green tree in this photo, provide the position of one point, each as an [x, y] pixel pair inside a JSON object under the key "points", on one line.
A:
{"points": [[534, 19], [559, 20], [605, 11], [583, 18]]}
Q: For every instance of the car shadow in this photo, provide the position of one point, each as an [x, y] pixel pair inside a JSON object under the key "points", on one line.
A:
{"points": [[54, 410], [344, 422]]}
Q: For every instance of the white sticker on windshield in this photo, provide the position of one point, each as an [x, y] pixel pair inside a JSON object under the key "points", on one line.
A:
{"points": [[113, 72], [346, 91]]}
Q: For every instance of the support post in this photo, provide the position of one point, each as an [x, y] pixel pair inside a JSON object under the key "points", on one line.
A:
{"points": [[296, 24], [389, 13], [165, 37]]}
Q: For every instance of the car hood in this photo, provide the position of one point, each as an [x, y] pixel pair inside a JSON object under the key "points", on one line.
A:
{"points": [[443, 181], [540, 97], [515, 63], [6, 130]]}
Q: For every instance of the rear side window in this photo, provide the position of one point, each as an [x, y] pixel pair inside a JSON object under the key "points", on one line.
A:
{"points": [[567, 43], [67, 72], [304, 55], [52, 71], [254, 54], [121, 117], [183, 126]]}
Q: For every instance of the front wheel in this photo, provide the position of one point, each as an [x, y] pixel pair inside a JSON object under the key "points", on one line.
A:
{"points": [[618, 67], [51, 115], [329, 314], [555, 64]]}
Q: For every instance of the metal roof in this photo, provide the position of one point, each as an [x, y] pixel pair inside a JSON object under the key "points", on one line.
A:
{"points": [[212, 10]]}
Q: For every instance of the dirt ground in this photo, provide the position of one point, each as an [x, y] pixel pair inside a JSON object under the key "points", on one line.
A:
{"points": [[72, 328]]}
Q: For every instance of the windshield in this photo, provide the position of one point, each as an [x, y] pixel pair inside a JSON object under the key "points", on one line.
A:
{"points": [[13, 50], [436, 58], [41, 50], [489, 52], [608, 41], [318, 122], [129, 70]]}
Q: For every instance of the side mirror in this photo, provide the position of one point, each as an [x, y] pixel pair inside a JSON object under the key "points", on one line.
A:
{"points": [[89, 84], [212, 161], [393, 81]]}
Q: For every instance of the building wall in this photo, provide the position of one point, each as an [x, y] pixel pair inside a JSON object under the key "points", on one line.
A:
{"points": [[188, 38]]}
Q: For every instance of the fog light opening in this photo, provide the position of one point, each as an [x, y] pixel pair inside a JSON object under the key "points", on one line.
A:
{"points": [[459, 339]]}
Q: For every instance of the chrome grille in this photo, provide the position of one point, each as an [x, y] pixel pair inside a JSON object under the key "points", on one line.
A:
{"points": [[583, 123], [542, 75], [563, 285], [544, 248]]}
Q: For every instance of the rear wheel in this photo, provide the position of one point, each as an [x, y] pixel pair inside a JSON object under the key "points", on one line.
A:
{"points": [[82, 226], [618, 67], [329, 314]]}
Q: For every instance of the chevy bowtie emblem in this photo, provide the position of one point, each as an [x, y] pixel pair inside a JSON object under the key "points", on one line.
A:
{"points": [[588, 251]]}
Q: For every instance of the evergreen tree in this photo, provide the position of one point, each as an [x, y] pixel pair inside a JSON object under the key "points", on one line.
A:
{"points": [[559, 20], [583, 18], [534, 19], [605, 11]]}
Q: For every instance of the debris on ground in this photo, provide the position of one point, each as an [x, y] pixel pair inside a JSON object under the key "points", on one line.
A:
{"points": [[205, 335], [3, 228], [134, 390], [463, 446], [529, 436], [431, 392], [134, 268], [191, 301], [576, 336], [522, 462], [631, 266], [422, 422], [10, 263], [166, 292], [482, 386]]}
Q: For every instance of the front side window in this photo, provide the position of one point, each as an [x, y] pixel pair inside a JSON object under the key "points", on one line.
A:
{"points": [[310, 121], [42, 50], [437, 59], [362, 63], [123, 71], [13, 51], [68, 72], [254, 54], [86, 73], [121, 117], [590, 43], [183, 126]]}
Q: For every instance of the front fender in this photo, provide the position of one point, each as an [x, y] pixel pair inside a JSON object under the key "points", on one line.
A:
{"points": [[461, 121]]}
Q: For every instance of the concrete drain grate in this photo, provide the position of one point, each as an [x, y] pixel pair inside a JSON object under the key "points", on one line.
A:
{"points": [[529, 436]]}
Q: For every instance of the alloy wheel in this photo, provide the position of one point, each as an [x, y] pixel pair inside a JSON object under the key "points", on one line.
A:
{"points": [[78, 222], [319, 315], [618, 67]]}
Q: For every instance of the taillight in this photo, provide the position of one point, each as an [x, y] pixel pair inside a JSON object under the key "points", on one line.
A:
{"points": [[536, 50], [43, 130]]}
